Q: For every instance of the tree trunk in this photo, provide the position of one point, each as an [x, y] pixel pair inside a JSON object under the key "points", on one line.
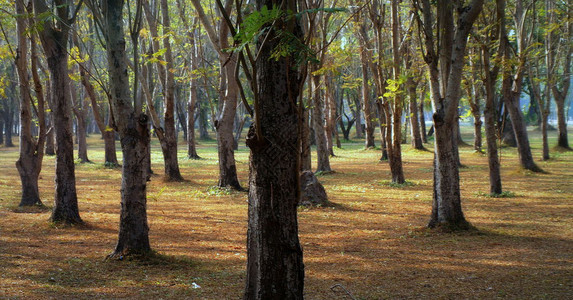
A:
{"points": [[29, 163], [489, 114], [81, 128], [306, 163], [395, 142], [366, 106], [493, 158], [54, 42], [322, 156], [224, 126], [511, 100], [446, 206], [414, 122], [9, 119], [445, 65], [330, 117], [562, 139], [275, 267], [133, 129], [50, 138], [423, 131], [191, 148]]}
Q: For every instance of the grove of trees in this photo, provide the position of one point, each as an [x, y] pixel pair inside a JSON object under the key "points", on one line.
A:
{"points": [[278, 77]]}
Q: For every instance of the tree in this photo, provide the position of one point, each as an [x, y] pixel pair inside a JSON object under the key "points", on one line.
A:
{"points": [[54, 34], [561, 50], [487, 51], [29, 163], [106, 129], [227, 97], [274, 255], [132, 124], [445, 65], [512, 83], [193, 81], [165, 133]]}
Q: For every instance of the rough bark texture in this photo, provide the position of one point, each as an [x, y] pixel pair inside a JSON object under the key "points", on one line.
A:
{"points": [[322, 155], [275, 268], [133, 128], [446, 65], [54, 38], [489, 119], [29, 163]]}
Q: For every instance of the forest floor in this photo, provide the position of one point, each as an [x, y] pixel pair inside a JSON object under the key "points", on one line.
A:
{"points": [[372, 243]]}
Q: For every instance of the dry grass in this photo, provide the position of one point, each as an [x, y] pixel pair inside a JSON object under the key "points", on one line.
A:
{"points": [[372, 242]]}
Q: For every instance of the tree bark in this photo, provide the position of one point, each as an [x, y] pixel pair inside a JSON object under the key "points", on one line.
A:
{"points": [[489, 115], [29, 163], [54, 39], [322, 155], [132, 126], [445, 78], [275, 267]]}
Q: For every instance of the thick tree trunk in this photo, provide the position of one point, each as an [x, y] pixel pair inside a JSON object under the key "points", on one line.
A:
{"points": [[66, 201], [275, 267], [490, 128], [322, 155], [29, 163], [133, 128], [54, 42], [446, 64], [446, 205]]}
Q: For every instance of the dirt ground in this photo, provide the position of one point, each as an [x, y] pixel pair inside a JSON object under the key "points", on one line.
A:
{"points": [[372, 244]]}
